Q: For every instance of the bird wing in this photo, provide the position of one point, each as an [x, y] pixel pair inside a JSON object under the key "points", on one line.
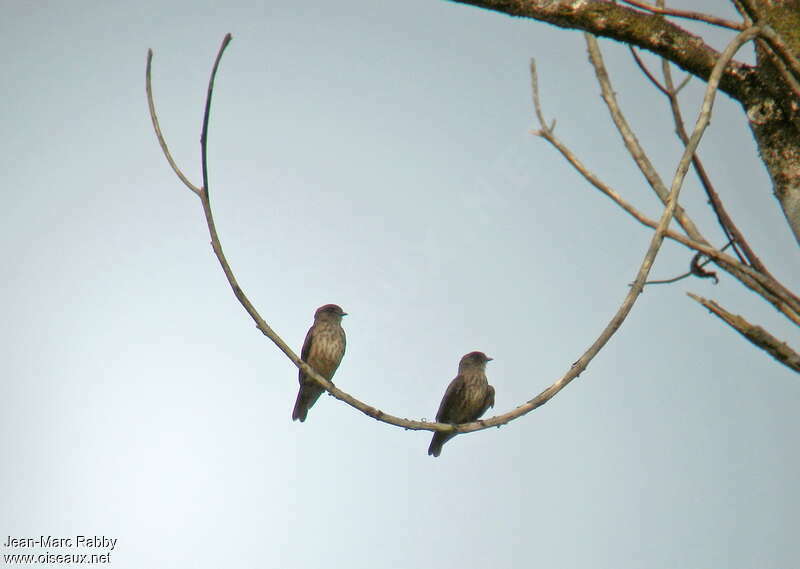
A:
{"points": [[305, 351], [453, 394], [488, 402], [306, 345]]}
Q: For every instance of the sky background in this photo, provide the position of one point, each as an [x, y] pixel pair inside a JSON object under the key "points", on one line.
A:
{"points": [[376, 155]]}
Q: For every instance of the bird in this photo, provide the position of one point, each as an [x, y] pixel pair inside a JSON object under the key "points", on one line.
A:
{"points": [[468, 397], [323, 349]]}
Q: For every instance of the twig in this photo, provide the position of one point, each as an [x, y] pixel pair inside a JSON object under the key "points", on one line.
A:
{"points": [[656, 83], [695, 269], [206, 113], [755, 334], [159, 135], [708, 19], [683, 84]]}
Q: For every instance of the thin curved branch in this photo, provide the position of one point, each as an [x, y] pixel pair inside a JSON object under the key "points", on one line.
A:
{"points": [[644, 69], [157, 127], [755, 334], [699, 16], [206, 114], [628, 25], [578, 366]]}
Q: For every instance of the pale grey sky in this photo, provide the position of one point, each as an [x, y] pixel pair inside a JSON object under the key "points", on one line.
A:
{"points": [[375, 155]]}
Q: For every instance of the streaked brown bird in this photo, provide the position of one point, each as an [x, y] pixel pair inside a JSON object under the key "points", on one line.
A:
{"points": [[468, 397], [323, 350]]}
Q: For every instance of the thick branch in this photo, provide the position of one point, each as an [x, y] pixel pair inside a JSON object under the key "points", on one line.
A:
{"points": [[648, 31], [755, 334]]}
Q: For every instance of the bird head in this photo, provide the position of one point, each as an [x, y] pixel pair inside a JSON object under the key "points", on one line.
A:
{"points": [[474, 359], [329, 312]]}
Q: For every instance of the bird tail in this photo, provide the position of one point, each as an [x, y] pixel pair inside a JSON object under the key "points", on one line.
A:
{"points": [[437, 442], [300, 407]]}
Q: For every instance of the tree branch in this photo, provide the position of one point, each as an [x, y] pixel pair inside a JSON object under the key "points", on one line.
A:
{"points": [[547, 133], [786, 64], [648, 31], [707, 18], [762, 284], [725, 221], [159, 135], [577, 367], [631, 142], [755, 334], [655, 243]]}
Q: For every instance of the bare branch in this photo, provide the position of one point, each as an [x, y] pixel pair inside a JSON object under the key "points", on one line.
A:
{"points": [[762, 284], [655, 243], [682, 84], [656, 83], [628, 25], [548, 134], [631, 142], [154, 119], [776, 42], [206, 113], [696, 269], [755, 334], [577, 367], [725, 221], [787, 64], [708, 19]]}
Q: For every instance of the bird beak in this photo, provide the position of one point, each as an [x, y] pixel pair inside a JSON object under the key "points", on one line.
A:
{"points": [[344, 313], [488, 359]]}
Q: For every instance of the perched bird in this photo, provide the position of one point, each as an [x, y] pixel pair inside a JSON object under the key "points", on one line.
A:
{"points": [[323, 350], [468, 397]]}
